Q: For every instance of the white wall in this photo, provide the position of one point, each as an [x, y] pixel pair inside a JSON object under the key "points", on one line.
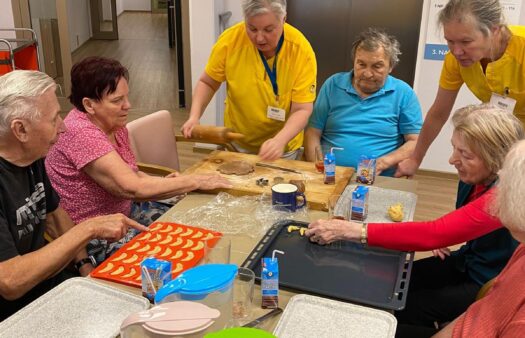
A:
{"points": [[202, 38], [141, 5], [234, 6], [79, 22], [426, 84], [120, 7], [6, 19], [204, 31]]}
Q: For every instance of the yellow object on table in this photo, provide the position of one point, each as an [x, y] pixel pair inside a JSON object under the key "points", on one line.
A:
{"points": [[395, 212]]}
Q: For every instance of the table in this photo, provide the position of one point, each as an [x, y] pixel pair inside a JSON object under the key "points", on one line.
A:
{"points": [[241, 245]]}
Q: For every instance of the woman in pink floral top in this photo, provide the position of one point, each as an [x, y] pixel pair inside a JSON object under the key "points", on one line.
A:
{"points": [[92, 166]]}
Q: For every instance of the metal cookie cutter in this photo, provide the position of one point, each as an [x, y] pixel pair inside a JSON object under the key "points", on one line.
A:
{"points": [[261, 182]]}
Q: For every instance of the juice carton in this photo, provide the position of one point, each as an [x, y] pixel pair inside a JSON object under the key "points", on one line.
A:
{"points": [[270, 281], [155, 273], [359, 204], [366, 170]]}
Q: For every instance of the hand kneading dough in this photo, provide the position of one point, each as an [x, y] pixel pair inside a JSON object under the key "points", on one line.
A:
{"points": [[395, 212], [236, 168]]}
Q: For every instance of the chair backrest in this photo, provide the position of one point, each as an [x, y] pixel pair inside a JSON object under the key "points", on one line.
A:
{"points": [[485, 288], [153, 141]]}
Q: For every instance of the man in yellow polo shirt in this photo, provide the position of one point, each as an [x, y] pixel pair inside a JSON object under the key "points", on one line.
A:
{"points": [[270, 71]]}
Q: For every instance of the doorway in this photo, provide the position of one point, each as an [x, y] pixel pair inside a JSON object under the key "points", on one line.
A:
{"points": [[44, 17], [159, 6], [104, 22]]}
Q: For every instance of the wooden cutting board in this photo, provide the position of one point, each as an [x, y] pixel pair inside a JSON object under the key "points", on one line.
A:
{"points": [[317, 193]]}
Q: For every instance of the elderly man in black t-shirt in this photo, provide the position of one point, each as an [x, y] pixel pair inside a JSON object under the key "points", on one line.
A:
{"points": [[29, 125]]}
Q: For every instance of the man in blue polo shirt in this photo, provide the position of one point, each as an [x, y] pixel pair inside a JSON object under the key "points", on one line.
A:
{"points": [[367, 111]]}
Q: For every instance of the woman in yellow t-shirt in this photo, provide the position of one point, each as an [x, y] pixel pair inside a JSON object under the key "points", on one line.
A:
{"points": [[485, 54], [270, 71]]}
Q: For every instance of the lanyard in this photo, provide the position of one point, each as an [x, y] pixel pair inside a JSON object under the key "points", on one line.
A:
{"points": [[272, 73]]}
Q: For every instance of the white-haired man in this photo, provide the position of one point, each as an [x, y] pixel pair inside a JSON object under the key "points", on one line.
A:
{"points": [[29, 125]]}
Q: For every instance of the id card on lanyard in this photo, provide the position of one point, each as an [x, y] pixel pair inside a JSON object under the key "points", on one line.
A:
{"points": [[272, 112]]}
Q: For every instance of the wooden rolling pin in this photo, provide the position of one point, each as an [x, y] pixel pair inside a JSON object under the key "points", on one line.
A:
{"points": [[214, 134]]}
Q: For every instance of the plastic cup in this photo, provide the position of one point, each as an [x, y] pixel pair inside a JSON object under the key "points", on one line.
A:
{"points": [[335, 211], [319, 158], [219, 253], [243, 293]]}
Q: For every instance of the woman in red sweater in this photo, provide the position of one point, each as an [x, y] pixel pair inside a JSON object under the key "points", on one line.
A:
{"points": [[501, 313], [440, 290]]}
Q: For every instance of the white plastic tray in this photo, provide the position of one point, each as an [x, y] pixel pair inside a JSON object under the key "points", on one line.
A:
{"points": [[310, 316], [79, 307], [378, 202]]}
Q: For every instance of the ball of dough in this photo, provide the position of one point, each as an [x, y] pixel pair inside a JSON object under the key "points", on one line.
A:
{"points": [[395, 212]]}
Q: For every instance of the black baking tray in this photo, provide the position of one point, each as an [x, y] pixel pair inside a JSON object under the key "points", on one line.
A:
{"points": [[342, 270]]}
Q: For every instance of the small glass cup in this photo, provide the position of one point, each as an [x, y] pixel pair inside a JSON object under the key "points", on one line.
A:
{"points": [[243, 293], [335, 209], [319, 158], [219, 253]]}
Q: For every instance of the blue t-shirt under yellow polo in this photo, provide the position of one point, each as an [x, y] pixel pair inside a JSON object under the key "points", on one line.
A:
{"points": [[236, 60], [371, 126], [506, 72]]}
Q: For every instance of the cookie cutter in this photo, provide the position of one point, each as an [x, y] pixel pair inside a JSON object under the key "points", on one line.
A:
{"points": [[261, 182]]}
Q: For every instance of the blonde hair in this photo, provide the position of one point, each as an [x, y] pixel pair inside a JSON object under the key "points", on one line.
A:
{"points": [[510, 196], [489, 132], [19, 91]]}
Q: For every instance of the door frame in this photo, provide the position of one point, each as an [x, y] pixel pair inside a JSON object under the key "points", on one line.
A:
{"points": [[22, 19], [186, 51], [95, 7]]}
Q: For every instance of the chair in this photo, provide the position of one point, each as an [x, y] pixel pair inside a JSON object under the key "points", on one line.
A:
{"points": [[485, 288], [152, 140], [154, 143]]}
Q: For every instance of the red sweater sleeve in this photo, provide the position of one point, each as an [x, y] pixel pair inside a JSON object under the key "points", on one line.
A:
{"points": [[468, 222]]}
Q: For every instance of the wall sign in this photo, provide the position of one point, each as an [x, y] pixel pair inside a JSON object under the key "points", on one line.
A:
{"points": [[436, 46]]}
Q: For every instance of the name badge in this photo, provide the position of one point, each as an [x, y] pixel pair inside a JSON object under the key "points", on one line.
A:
{"points": [[275, 113], [503, 102]]}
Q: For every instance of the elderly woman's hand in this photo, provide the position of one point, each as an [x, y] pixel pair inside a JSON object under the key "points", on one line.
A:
{"points": [[209, 182], [441, 253], [325, 231], [173, 174]]}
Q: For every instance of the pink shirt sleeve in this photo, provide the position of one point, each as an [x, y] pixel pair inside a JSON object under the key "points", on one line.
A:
{"points": [[468, 222], [85, 145]]}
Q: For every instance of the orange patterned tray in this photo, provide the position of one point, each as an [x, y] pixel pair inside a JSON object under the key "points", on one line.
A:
{"points": [[181, 244]]}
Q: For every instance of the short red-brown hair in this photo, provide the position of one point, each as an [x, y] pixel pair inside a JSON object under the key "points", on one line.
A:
{"points": [[94, 77]]}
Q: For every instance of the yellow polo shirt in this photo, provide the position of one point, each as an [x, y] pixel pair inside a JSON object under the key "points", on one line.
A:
{"points": [[507, 72], [236, 60]]}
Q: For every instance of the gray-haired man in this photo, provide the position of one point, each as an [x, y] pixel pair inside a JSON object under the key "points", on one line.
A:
{"points": [[367, 111], [29, 125]]}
